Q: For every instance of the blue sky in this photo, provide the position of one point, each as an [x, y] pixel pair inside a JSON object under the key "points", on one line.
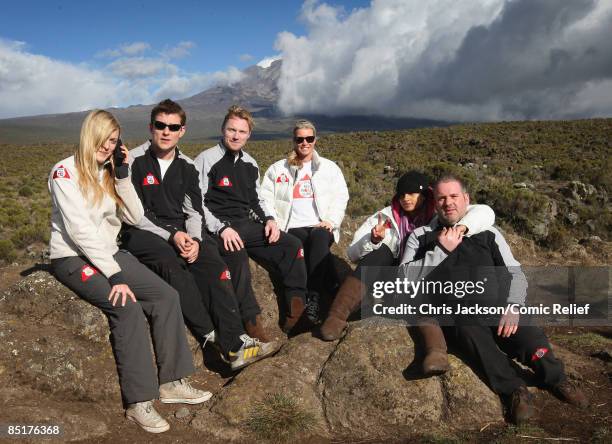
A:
{"points": [[460, 60], [221, 34]]}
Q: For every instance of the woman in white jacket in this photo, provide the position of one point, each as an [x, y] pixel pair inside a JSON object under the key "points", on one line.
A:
{"points": [[379, 242], [307, 196], [91, 197]]}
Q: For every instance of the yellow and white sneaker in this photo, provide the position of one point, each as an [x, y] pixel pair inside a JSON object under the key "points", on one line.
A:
{"points": [[252, 350]]}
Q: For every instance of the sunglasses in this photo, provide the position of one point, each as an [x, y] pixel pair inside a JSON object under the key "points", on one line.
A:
{"points": [[308, 139], [174, 127]]}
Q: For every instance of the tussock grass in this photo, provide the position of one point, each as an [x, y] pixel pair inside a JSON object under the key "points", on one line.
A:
{"points": [[278, 418]]}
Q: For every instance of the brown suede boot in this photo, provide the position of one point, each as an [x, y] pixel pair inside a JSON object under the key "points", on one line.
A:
{"points": [[293, 314], [256, 329], [347, 300], [436, 359]]}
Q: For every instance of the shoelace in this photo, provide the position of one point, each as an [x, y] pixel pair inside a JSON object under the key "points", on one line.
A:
{"points": [[312, 308], [209, 337]]}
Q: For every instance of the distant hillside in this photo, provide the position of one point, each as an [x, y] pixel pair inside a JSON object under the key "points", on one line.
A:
{"points": [[257, 91]]}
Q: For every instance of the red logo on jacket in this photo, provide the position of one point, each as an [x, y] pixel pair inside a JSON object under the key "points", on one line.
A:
{"points": [[87, 271], [300, 254], [225, 276], [225, 182], [61, 173], [282, 178], [150, 179], [539, 354]]}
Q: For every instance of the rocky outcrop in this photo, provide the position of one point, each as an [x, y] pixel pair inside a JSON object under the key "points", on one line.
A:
{"points": [[55, 347]]}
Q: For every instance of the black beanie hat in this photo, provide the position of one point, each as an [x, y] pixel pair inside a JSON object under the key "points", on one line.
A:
{"points": [[412, 182]]}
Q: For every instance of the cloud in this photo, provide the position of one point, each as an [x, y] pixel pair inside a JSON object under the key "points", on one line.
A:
{"points": [[453, 60], [245, 57], [127, 49], [35, 84], [179, 51]]}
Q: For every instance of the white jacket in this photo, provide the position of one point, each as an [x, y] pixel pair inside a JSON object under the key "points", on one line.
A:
{"points": [[78, 228], [330, 191], [477, 219]]}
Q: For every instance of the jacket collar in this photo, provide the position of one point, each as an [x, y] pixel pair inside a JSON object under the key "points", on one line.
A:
{"points": [[316, 162]]}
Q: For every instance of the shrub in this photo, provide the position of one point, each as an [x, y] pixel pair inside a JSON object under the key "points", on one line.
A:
{"points": [[7, 251]]}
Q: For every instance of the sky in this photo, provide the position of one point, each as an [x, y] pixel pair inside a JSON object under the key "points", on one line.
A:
{"points": [[462, 60]]}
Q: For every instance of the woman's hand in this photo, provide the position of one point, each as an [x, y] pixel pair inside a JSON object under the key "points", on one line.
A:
{"points": [[327, 225], [120, 291], [378, 231]]}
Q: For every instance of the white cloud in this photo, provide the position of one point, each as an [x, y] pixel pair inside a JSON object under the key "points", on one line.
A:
{"points": [[35, 84], [245, 57], [179, 51], [127, 49], [449, 59]]}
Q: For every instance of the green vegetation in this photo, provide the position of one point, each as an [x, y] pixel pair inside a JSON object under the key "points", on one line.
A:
{"points": [[493, 157], [583, 341], [279, 418]]}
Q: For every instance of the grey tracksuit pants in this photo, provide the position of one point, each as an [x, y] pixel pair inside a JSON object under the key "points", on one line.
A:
{"points": [[129, 331]]}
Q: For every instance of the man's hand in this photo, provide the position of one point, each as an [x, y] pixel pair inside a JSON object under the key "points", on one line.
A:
{"points": [[271, 231], [325, 224], [379, 231], [120, 291], [231, 240], [450, 238], [182, 241], [508, 324], [191, 254]]}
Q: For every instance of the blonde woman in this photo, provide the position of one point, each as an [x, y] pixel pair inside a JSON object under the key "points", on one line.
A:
{"points": [[307, 195], [91, 197]]}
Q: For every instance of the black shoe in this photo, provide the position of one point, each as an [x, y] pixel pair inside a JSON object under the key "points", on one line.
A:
{"points": [[521, 405]]}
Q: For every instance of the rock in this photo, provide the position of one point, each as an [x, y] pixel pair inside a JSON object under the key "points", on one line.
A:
{"points": [[366, 396], [520, 185], [591, 225], [578, 191], [572, 218], [182, 412]]}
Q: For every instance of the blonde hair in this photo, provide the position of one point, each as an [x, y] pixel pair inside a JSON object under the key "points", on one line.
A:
{"points": [[97, 128], [238, 112], [293, 158]]}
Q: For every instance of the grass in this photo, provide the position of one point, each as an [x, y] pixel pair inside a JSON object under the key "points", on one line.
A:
{"points": [[279, 418], [581, 341]]}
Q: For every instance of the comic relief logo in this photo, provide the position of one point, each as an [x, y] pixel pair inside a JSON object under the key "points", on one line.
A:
{"points": [[86, 272], [282, 178], [61, 173], [300, 254], [539, 354], [225, 182], [150, 179], [225, 276]]}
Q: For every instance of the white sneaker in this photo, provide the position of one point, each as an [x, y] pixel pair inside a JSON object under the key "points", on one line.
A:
{"points": [[145, 415], [252, 350], [180, 391]]}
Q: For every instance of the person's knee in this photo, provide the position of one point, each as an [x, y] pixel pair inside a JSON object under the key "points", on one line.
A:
{"points": [[320, 236]]}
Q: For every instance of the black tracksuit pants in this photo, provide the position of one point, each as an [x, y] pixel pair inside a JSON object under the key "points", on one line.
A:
{"points": [[319, 262], [286, 255], [207, 297], [491, 352]]}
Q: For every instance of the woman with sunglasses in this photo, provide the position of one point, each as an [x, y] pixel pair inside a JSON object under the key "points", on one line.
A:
{"points": [[307, 196], [380, 241], [92, 194]]}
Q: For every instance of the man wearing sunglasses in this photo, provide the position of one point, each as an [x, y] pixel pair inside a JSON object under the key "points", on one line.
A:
{"points": [[170, 241], [307, 194], [230, 190]]}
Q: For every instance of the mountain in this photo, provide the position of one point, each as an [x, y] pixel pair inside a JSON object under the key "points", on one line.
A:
{"points": [[257, 91]]}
